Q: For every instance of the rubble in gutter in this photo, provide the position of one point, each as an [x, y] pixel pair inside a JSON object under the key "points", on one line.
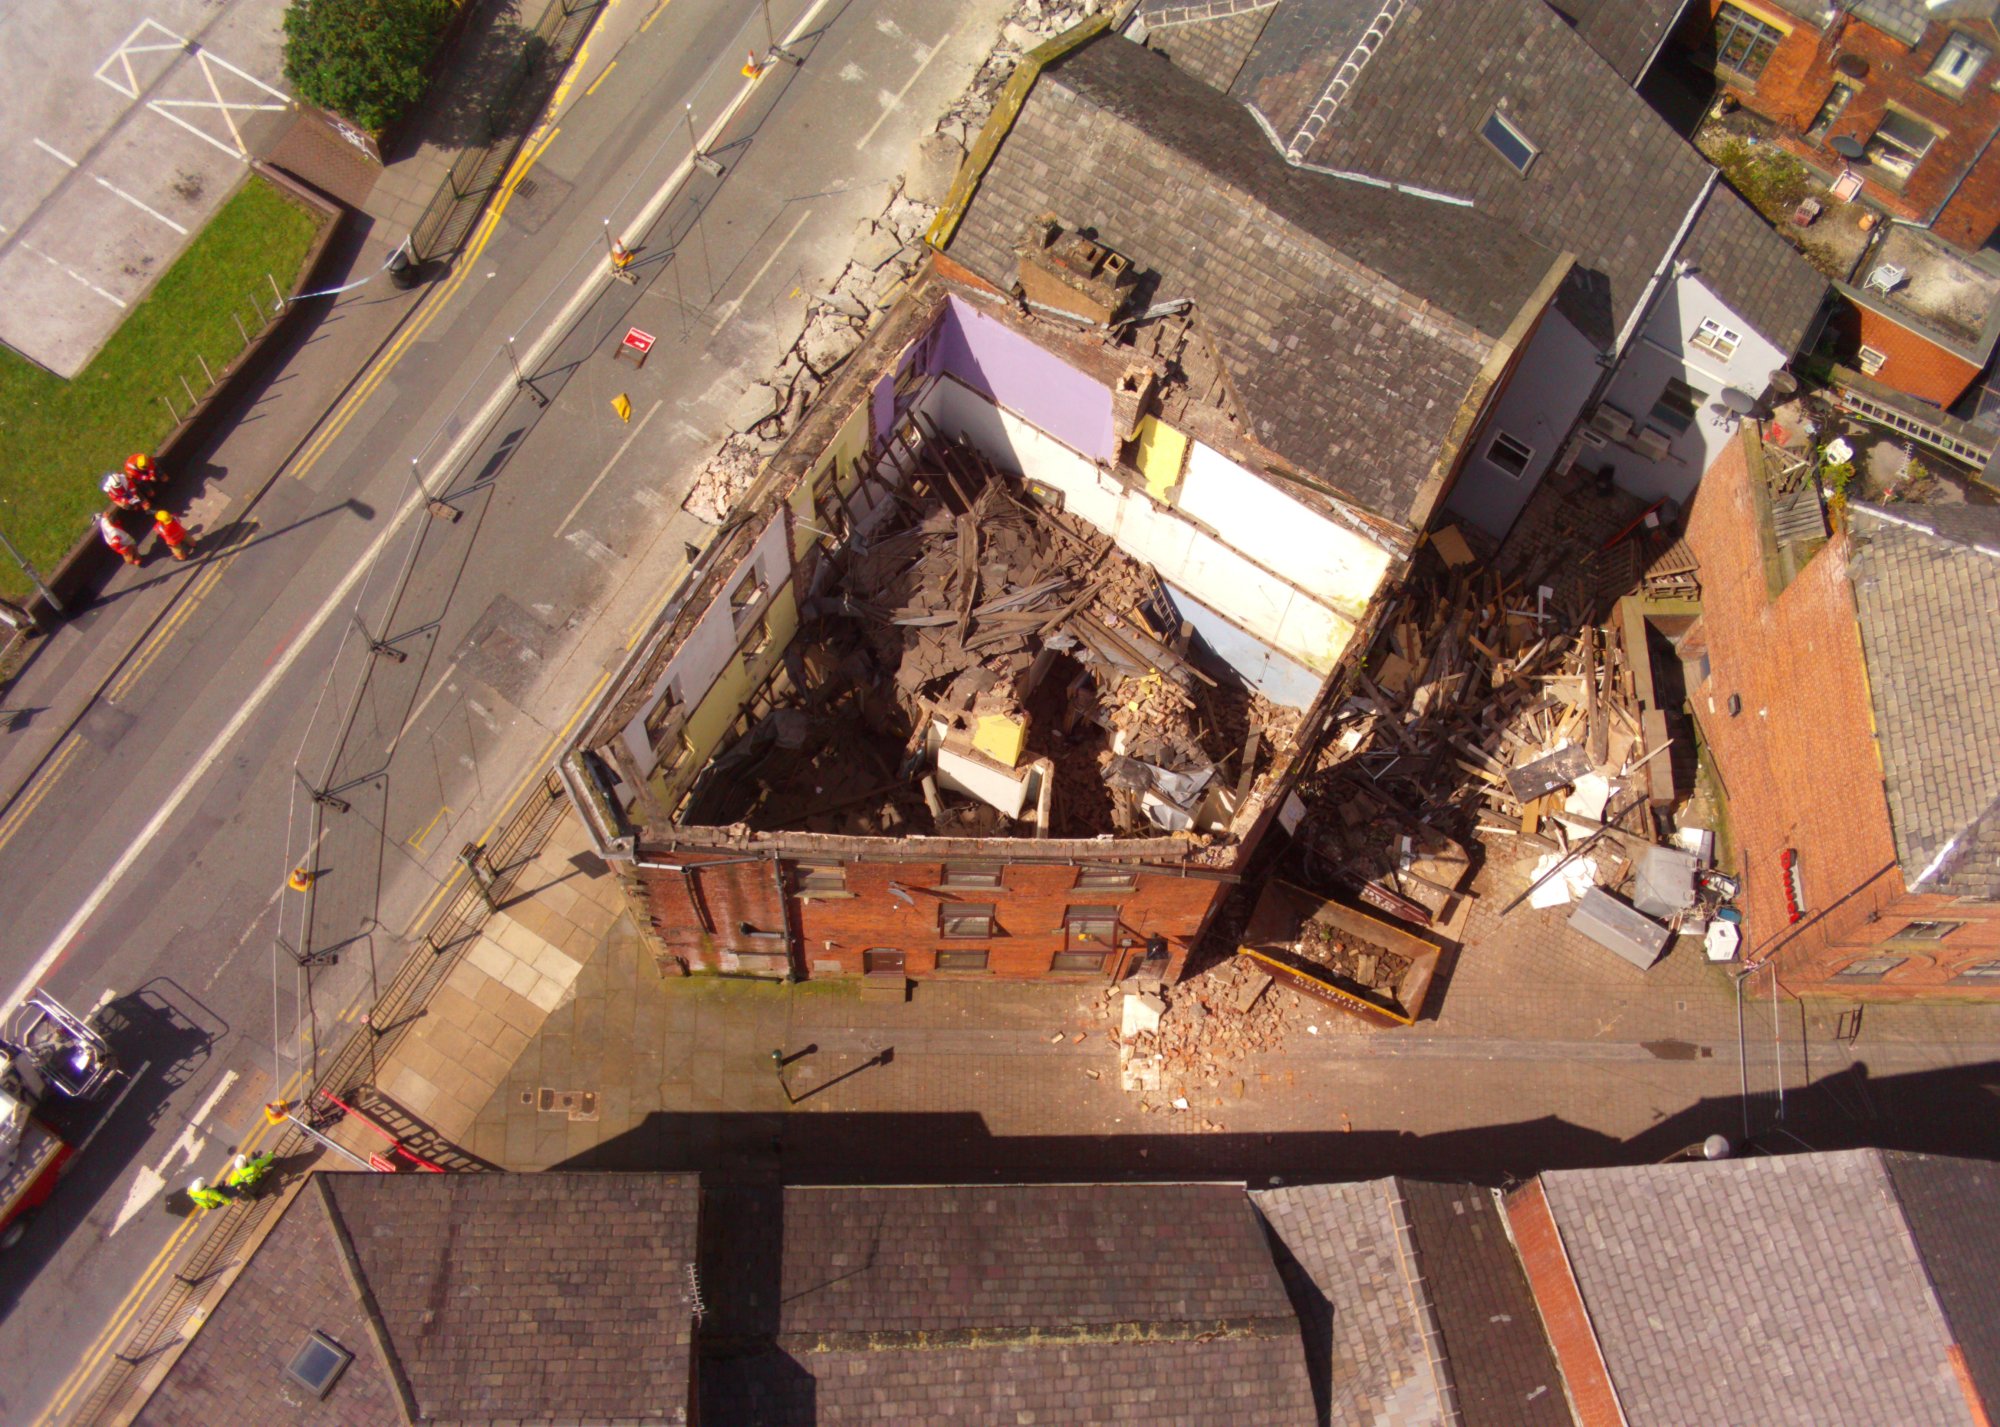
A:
{"points": [[888, 251]]}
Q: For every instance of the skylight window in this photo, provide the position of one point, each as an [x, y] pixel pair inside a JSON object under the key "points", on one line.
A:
{"points": [[1509, 142], [318, 1364]]}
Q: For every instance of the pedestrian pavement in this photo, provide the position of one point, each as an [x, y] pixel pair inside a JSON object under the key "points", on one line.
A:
{"points": [[558, 1042]]}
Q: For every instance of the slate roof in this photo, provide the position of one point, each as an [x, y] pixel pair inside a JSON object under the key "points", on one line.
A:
{"points": [[1612, 182], [1074, 1303], [1209, 40], [297, 1284], [1625, 33], [1949, 1206], [1351, 319], [1785, 1291], [1417, 1308], [1907, 19], [1927, 592]]}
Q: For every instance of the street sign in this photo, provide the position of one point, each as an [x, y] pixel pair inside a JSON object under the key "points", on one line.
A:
{"points": [[635, 346]]}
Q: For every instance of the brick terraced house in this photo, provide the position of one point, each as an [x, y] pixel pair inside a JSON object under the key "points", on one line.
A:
{"points": [[1004, 665], [1904, 94], [1850, 712], [1856, 1288]]}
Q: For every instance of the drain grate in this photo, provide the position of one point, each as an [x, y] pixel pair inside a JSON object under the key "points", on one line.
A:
{"points": [[577, 1104], [526, 188]]}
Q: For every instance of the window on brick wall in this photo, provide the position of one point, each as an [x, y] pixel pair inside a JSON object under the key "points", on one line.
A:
{"points": [[1957, 64], [1089, 928], [965, 919], [1830, 111], [1872, 361], [1106, 879], [1926, 931], [1743, 42], [971, 874], [1983, 972], [821, 877], [1714, 337], [1091, 961], [1869, 968], [1898, 146], [961, 958]]}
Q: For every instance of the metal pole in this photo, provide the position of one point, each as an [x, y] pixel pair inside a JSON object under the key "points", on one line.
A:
{"points": [[34, 577], [241, 330], [207, 375], [192, 399], [279, 306], [521, 382], [705, 162]]}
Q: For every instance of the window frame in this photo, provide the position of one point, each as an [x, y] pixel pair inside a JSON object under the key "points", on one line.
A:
{"points": [[1528, 146], [1527, 454], [1732, 21], [1964, 44], [747, 595], [1056, 959], [1881, 138], [1829, 112], [960, 953], [1720, 341], [1077, 938], [1876, 967], [804, 874], [1871, 360], [972, 875], [758, 642], [1935, 930], [1105, 877], [1666, 424], [662, 713], [952, 914]]}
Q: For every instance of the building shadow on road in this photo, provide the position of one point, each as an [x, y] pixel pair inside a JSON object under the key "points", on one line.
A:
{"points": [[1935, 1112]]}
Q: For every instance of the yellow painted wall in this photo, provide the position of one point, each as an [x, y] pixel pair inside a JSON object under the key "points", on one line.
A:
{"points": [[733, 688], [844, 453], [1160, 453]]}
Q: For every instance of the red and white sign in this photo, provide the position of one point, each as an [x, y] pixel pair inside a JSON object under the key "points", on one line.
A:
{"points": [[640, 342]]}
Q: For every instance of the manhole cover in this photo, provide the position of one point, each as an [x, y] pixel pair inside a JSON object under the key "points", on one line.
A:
{"points": [[577, 1104]]}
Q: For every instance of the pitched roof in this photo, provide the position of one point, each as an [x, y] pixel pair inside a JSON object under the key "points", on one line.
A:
{"points": [[1099, 1303], [1209, 40], [1949, 1207], [1352, 319], [1417, 1304], [1927, 592], [1773, 1290], [297, 1285], [1610, 182], [1907, 19], [1625, 33]]}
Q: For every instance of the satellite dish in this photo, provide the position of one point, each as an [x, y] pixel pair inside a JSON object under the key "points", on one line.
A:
{"points": [[1853, 66], [1737, 402], [1848, 148], [1783, 384]]}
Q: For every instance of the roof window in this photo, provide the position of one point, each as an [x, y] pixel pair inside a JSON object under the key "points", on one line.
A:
{"points": [[1509, 142], [318, 1364]]}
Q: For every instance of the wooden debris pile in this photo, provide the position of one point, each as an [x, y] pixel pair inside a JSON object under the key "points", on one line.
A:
{"points": [[1483, 708]]}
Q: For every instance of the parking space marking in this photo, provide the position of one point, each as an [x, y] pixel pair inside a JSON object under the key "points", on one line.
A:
{"points": [[228, 110], [169, 42], [111, 187], [28, 247]]}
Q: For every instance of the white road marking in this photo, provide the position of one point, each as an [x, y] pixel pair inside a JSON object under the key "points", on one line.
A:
{"points": [[190, 1143], [890, 101], [107, 184], [591, 489], [122, 56], [148, 1183], [729, 308], [72, 272], [57, 154], [587, 291]]}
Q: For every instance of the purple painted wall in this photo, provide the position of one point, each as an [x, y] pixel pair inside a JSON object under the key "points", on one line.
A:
{"points": [[1011, 370], [882, 409]]}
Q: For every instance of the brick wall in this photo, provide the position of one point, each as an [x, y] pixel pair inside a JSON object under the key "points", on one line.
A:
{"points": [[1800, 75], [1916, 364], [1799, 766], [1592, 1399], [720, 916]]}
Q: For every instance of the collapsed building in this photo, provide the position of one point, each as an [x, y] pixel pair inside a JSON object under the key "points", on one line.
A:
{"points": [[1007, 662]]}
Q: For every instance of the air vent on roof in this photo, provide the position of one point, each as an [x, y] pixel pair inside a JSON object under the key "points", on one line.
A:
{"points": [[318, 1364], [1610, 421]]}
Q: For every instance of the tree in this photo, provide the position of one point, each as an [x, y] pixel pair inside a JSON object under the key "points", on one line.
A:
{"points": [[363, 59]]}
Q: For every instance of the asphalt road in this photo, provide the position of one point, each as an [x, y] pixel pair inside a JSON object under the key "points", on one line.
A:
{"points": [[149, 868]]}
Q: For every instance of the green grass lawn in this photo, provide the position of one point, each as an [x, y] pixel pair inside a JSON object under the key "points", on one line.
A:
{"points": [[57, 438]]}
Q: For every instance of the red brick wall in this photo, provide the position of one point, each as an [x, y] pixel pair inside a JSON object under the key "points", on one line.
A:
{"points": [[1801, 73], [1799, 762], [1592, 1398], [1916, 364], [834, 931]]}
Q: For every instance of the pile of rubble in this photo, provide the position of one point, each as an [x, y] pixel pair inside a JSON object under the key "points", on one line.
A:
{"points": [[888, 251], [1179, 1047], [985, 660]]}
